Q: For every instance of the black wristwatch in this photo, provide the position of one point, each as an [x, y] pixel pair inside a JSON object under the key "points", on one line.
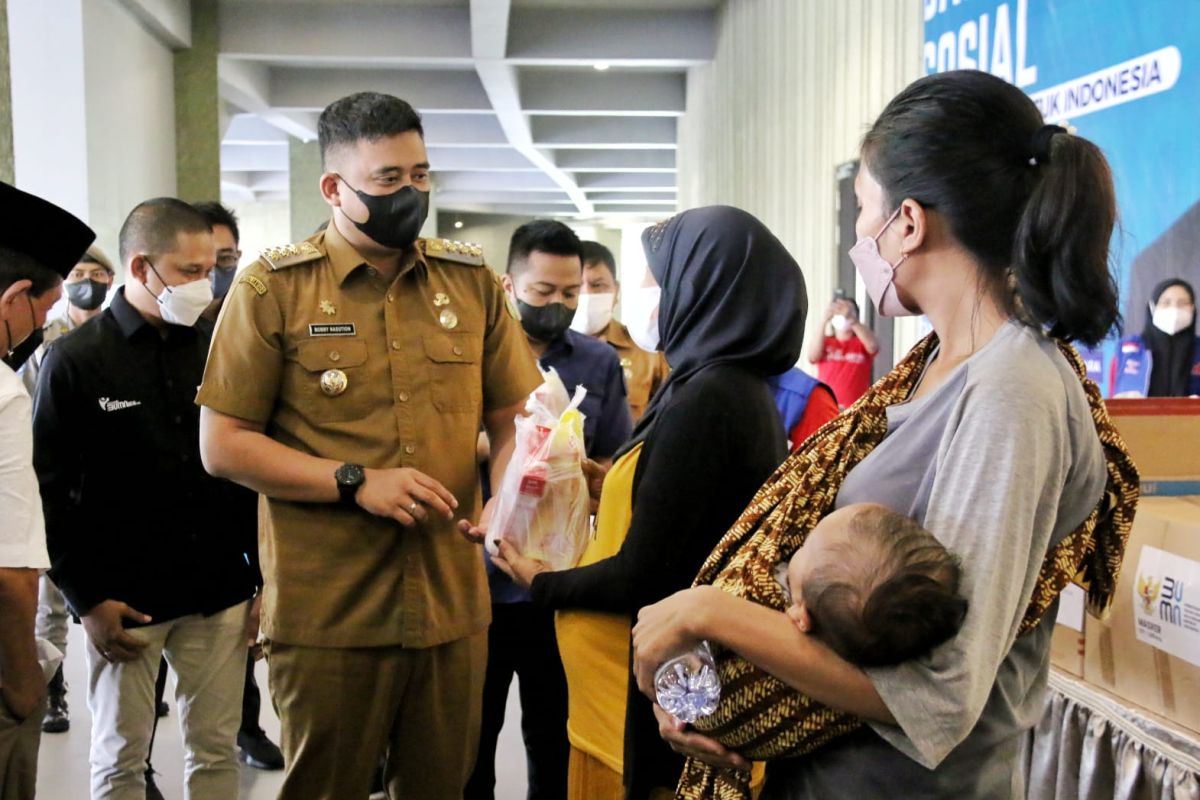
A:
{"points": [[349, 477]]}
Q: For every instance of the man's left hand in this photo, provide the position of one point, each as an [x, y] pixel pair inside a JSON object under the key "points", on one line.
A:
{"points": [[477, 532]]}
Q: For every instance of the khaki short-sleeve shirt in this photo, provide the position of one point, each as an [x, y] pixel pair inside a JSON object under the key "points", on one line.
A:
{"points": [[338, 364], [644, 371]]}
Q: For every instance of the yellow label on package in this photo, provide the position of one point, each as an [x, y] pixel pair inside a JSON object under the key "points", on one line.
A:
{"points": [[1166, 603]]}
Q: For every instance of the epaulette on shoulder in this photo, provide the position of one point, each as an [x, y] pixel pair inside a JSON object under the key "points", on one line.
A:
{"points": [[458, 252], [289, 255]]}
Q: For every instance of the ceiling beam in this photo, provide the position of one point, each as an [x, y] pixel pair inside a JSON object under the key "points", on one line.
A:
{"points": [[406, 36], [484, 159], [489, 32], [608, 35], [617, 182], [246, 85], [604, 132], [545, 91], [555, 197], [427, 90], [458, 130], [615, 160], [495, 182], [254, 157], [169, 20], [631, 196], [361, 34], [250, 129]]}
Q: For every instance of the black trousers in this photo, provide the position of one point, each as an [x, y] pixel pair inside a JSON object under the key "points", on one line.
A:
{"points": [[521, 641]]}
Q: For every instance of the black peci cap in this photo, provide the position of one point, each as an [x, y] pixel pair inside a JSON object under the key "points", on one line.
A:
{"points": [[53, 237]]}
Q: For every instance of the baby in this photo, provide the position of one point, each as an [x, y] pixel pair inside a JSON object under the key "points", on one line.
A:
{"points": [[874, 586]]}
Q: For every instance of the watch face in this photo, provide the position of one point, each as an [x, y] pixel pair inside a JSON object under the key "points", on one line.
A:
{"points": [[349, 475]]}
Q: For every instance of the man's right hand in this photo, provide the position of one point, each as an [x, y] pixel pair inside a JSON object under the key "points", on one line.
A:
{"points": [[104, 629], [405, 495], [22, 693]]}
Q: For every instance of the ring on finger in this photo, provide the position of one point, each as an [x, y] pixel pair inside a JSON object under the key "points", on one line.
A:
{"points": [[412, 508]]}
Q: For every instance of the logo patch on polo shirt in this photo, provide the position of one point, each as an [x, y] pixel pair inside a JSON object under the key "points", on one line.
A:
{"points": [[117, 405], [332, 329]]}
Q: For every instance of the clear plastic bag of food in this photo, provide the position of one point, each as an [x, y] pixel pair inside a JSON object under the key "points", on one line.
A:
{"points": [[542, 505]]}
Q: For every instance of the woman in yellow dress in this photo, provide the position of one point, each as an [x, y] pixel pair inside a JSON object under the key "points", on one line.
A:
{"points": [[726, 303]]}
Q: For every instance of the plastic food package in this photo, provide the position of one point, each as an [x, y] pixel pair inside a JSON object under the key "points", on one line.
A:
{"points": [[542, 505]]}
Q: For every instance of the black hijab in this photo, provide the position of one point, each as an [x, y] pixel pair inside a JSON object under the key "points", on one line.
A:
{"points": [[1173, 355], [731, 292]]}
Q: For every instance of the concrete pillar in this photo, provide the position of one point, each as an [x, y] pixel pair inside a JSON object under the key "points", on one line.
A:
{"points": [[197, 110], [308, 208]]}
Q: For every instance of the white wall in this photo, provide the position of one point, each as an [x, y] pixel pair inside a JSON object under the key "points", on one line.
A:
{"points": [[791, 91], [93, 115], [130, 112], [49, 138], [262, 224]]}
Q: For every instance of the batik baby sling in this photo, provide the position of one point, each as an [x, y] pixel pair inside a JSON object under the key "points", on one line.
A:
{"points": [[762, 718]]}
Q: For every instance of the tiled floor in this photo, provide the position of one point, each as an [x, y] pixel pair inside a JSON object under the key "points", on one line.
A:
{"points": [[63, 764]]}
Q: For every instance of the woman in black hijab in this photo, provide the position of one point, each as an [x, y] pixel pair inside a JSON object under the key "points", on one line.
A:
{"points": [[1170, 336], [731, 313]]}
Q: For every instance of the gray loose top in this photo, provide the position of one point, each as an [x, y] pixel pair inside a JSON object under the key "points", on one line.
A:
{"points": [[1000, 462]]}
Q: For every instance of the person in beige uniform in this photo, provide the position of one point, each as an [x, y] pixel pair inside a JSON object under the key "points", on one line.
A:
{"points": [[644, 371], [348, 378]]}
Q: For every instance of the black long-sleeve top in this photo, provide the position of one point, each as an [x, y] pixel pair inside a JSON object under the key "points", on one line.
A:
{"points": [[131, 515], [711, 448]]}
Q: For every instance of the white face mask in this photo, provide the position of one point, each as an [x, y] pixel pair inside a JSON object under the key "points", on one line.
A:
{"points": [[641, 316], [1171, 320], [840, 322], [183, 304], [594, 313]]}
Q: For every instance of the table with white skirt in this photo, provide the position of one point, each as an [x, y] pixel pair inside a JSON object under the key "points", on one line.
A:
{"points": [[1091, 745]]}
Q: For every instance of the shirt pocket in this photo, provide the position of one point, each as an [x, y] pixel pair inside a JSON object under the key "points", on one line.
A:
{"points": [[455, 376], [318, 357]]}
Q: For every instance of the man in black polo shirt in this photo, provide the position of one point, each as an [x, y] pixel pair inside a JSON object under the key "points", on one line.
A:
{"points": [[156, 556]]}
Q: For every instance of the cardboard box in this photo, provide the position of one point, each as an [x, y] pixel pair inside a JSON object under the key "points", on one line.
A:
{"points": [[1157, 598], [1067, 642], [1144, 668], [1163, 436]]}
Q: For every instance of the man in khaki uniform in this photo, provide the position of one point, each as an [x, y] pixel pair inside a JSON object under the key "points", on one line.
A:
{"points": [[347, 381], [644, 371]]}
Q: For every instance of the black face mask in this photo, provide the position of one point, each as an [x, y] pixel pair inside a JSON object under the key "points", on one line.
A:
{"points": [[18, 355], [394, 219], [24, 350], [87, 295], [545, 323], [222, 279]]}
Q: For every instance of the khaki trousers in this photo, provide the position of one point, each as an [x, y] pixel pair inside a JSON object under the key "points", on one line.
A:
{"points": [[208, 657], [19, 753], [342, 709]]}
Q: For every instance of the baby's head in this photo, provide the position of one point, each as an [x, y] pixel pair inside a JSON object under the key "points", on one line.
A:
{"points": [[876, 587]]}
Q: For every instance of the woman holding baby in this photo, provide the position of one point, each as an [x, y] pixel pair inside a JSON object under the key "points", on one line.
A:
{"points": [[995, 226]]}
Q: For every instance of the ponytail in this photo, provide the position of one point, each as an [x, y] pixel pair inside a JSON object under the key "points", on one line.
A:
{"points": [[1061, 250], [1034, 205]]}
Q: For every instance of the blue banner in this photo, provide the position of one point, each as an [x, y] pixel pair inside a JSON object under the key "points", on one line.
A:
{"points": [[1122, 73]]}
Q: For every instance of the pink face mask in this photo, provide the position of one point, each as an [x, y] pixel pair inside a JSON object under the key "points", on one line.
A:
{"points": [[880, 276]]}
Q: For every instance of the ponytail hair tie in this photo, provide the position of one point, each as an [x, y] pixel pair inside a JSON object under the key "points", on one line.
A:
{"points": [[1040, 144]]}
